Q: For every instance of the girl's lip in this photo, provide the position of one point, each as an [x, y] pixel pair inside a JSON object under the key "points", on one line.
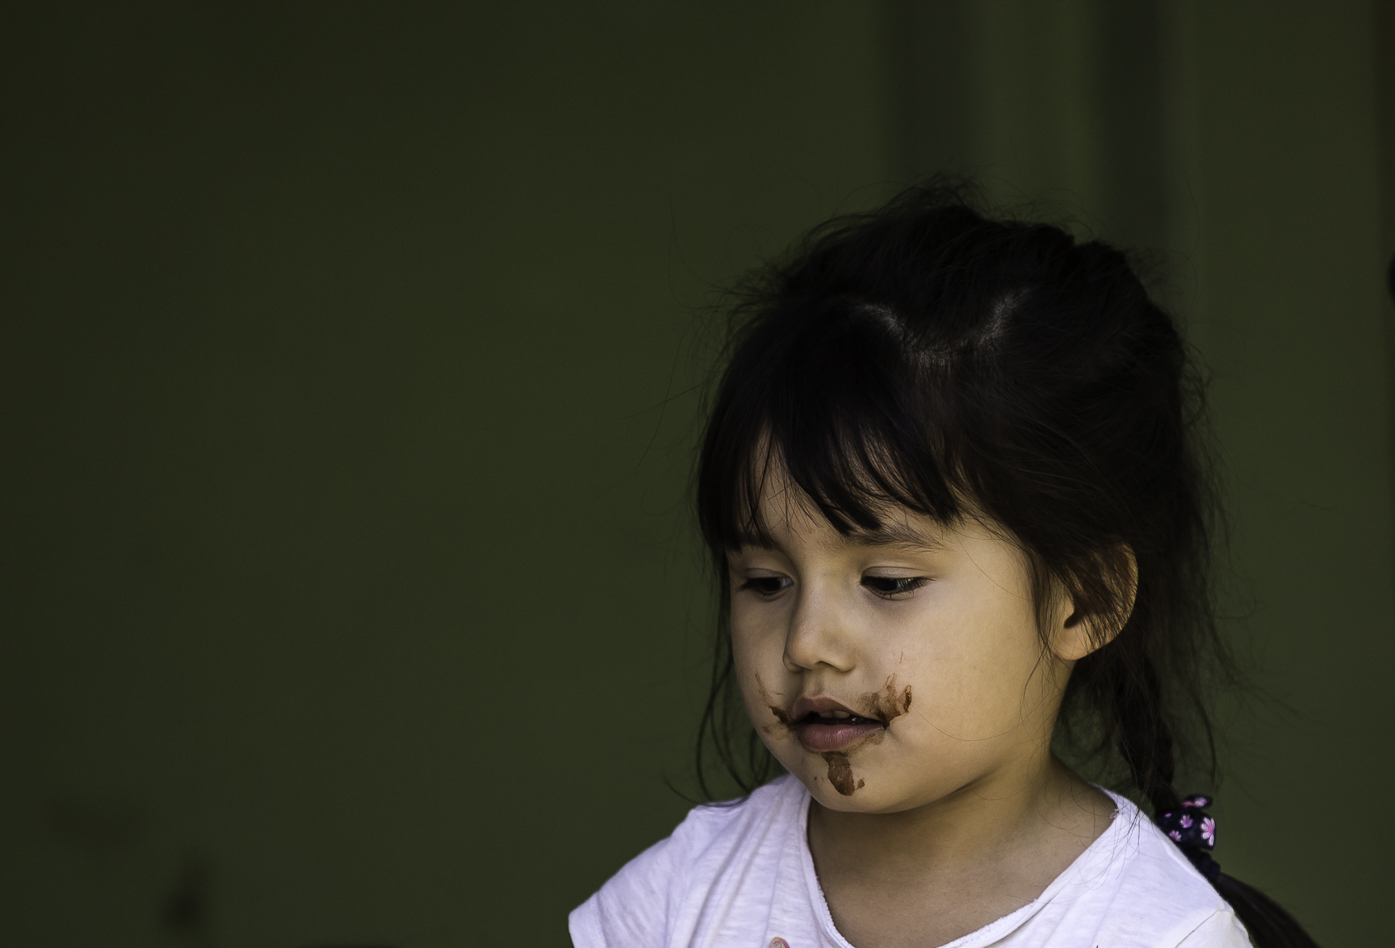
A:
{"points": [[833, 735], [821, 735]]}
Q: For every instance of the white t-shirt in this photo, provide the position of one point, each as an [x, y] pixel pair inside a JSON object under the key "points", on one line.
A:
{"points": [[741, 876]]}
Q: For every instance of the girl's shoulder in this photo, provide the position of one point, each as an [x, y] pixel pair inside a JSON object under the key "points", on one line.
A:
{"points": [[729, 824], [653, 892], [1142, 890], [1144, 855]]}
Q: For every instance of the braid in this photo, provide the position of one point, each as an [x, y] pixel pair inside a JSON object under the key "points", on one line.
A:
{"points": [[1145, 741]]}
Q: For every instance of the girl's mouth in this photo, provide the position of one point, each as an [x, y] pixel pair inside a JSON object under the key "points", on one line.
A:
{"points": [[834, 730]]}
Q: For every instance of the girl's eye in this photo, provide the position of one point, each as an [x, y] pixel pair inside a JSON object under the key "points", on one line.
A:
{"points": [[765, 585], [893, 587]]}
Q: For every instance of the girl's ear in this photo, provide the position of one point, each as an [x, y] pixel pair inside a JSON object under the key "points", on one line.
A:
{"points": [[1077, 633]]}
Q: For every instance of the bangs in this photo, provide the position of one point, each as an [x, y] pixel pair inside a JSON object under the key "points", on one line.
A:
{"points": [[838, 406]]}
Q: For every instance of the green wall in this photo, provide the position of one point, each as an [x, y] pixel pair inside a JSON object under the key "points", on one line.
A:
{"points": [[1294, 301], [346, 382], [348, 394]]}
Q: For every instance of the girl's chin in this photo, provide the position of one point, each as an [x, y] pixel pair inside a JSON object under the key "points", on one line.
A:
{"points": [[836, 781], [870, 798]]}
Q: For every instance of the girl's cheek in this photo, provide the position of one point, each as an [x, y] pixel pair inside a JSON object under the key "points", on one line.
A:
{"points": [[757, 637], [755, 675]]}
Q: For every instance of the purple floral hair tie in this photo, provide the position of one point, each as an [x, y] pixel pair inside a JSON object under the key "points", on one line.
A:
{"points": [[1194, 832]]}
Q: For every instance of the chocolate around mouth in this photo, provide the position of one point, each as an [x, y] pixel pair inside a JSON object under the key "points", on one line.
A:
{"points": [[879, 707], [840, 774]]}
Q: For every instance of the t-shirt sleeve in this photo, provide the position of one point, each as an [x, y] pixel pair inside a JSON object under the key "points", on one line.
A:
{"points": [[1220, 930], [632, 909]]}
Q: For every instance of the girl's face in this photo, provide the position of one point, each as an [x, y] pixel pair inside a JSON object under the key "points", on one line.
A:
{"points": [[889, 670]]}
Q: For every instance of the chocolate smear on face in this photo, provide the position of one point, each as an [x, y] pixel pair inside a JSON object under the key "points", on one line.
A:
{"points": [[887, 704], [840, 773]]}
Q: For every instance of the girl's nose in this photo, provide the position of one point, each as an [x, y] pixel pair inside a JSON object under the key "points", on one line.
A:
{"points": [[818, 632]]}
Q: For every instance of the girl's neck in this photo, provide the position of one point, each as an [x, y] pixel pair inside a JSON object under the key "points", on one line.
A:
{"points": [[929, 875], [1041, 813]]}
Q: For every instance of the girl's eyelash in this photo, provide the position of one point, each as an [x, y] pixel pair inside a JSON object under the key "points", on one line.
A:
{"points": [[893, 586], [765, 585], [890, 587]]}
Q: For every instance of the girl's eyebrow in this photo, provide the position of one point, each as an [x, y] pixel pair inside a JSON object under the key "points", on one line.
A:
{"points": [[902, 535]]}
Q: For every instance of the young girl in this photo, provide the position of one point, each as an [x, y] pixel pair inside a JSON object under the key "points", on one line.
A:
{"points": [[955, 506]]}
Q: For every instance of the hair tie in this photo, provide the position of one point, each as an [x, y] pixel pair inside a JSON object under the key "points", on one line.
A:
{"points": [[1194, 832]]}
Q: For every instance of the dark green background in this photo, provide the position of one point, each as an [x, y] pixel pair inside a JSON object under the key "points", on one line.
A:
{"points": [[348, 390]]}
